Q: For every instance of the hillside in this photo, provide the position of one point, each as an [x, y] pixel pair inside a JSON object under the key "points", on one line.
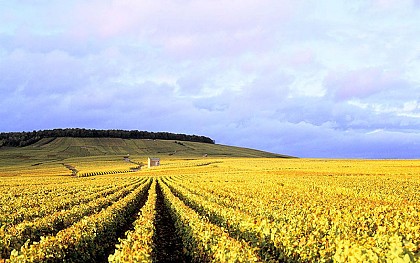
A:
{"points": [[59, 150], [21, 139], [79, 147]]}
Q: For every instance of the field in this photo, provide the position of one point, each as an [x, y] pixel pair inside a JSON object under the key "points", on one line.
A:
{"points": [[51, 155], [56, 149], [211, 210]]}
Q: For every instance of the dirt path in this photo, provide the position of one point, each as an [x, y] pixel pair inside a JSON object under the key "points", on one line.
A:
{"points": [[73, 170], [168, 245]]}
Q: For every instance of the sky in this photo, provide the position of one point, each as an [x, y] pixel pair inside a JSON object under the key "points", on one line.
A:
{"points": [[333, 78]]}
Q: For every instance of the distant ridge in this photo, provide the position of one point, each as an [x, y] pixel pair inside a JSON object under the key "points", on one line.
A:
{"points": [[21, 139], [60, 149]]}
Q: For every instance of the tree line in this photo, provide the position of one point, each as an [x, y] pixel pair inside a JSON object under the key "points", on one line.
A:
{"points": [[20, 139]]}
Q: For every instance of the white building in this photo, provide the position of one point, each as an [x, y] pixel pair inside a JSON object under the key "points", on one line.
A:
{"points": [[153, 161]]}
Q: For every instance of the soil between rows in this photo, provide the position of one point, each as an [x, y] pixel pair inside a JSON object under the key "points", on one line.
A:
{"points": [[168, 244], [128, 225]]}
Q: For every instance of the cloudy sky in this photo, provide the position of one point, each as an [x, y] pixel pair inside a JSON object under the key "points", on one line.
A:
{"points": [[309, 78]]}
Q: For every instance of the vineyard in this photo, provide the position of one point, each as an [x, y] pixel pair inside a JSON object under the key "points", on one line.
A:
{"points": [[214, 210]]}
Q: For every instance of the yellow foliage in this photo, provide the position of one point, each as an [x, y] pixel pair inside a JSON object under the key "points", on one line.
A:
{"points": [[226, 209]]}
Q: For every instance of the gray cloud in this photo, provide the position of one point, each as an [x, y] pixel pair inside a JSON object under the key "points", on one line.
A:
{"points": [[309, 79], [362, 83]]}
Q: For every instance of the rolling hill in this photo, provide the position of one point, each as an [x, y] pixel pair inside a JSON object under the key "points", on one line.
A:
{"points": [[58, 150], [65, 147]]}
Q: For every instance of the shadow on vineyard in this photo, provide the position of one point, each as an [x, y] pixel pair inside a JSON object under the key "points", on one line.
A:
{"points": [[168, 245], [126, 226]]}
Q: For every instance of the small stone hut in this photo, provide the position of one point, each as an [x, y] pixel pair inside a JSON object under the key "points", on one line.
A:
{"points": [[153, 161]]}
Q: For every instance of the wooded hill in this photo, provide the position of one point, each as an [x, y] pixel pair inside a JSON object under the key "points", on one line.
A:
{"points": [[57, 151], [21, 139], [54, 147]]}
